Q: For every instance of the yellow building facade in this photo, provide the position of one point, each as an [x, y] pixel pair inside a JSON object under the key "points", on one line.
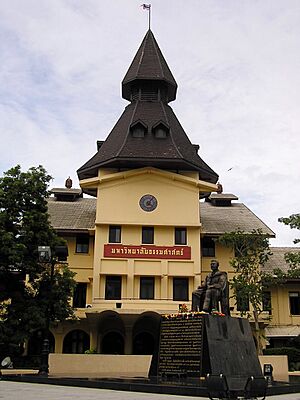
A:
{"points": [[144, 240]]}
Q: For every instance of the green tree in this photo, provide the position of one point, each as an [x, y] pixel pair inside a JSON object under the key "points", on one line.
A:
{"points": [[280, 276], [292, 258], [25, 287], [251, 252]]}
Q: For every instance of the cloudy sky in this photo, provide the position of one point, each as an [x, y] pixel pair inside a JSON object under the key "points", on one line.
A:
{"points": [[236, 62]]}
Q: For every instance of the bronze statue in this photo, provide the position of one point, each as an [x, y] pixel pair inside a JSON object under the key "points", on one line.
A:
{"points": [[212, 291]]}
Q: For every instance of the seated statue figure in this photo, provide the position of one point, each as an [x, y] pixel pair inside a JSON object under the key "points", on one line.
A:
{"points": [[212, 291]]}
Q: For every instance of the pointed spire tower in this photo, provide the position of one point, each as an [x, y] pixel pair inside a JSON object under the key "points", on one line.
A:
{"points": [[149, 69], [148, 132]]}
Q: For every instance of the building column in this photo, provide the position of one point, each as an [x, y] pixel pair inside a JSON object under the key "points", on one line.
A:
{"points": [[130, 280], [59, 334], [164, 292], [93, 336], [128, 340]]}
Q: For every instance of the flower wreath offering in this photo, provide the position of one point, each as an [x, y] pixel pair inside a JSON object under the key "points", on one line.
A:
{"points": [[185, 313]]}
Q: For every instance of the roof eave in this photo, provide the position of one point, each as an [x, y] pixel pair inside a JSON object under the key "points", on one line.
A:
{"points": [[137, 162]]}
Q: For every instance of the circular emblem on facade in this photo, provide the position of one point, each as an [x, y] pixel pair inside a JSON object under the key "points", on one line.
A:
{"points": [[148, 202]]}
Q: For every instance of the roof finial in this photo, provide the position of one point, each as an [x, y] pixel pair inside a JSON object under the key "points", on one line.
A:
{"points": [[68, 183], [219, 188], [148, 8]]}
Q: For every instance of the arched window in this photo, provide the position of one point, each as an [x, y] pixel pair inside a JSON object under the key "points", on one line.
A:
{"points": [[112, 343], [76, 342], [143, 343], [145, 333]]}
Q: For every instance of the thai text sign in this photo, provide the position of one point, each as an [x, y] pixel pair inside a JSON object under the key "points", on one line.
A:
{"points": [[180, 346], [172, 252]]}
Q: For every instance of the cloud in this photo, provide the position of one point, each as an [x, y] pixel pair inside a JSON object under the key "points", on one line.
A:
{"points": [[236, 63]]}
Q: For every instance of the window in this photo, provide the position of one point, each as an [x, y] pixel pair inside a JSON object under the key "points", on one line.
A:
{"points": [[160, 130], [147, 287], [208, 247], [160, 133], [147, 235], [294, 303], [113, 287], [114, 234], [76, 342], [266, 302], [181, 289], [82, 243], [242, 302], [79, 296], [180, 236], [138, 132]]}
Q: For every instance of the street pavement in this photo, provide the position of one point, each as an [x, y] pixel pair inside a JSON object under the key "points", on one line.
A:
{"points": [[33, 391]]}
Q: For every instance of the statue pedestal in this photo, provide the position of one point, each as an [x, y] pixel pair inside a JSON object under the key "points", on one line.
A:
{"points": [[193, 346]]}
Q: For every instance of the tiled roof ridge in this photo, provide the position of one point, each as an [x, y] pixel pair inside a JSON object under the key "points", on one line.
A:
{"points": [[193, 163], [88, 164], [135, 70], [142, 55], [161, 58], [155, 45], [258, 218], [171, 133], [81, 214], [127, 133]]}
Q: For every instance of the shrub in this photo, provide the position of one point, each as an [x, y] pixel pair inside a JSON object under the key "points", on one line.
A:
{"points": [[91, 351]]}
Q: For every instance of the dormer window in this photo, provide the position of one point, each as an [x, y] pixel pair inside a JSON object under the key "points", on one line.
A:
{"points": [[160, 130], [160, 133], [138, 130]]}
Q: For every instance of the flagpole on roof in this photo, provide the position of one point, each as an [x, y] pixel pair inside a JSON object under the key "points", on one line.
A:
{"points": [[148, 8]]}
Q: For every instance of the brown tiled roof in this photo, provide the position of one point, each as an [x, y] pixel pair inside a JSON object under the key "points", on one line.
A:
{"points": [[81, 214], [149, 63], [277, 260], [72, 216], [121, 149], [217, 220], [223, 196], [66, 191], [148, 70]]}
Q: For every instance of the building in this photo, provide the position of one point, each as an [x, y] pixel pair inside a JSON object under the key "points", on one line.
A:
{"points": [[282, 301], [144, 240]]}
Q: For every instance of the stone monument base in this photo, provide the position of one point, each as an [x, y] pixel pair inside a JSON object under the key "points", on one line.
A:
{"points": [[193, 345]]}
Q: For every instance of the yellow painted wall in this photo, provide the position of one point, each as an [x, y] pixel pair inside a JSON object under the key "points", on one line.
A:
{"points": [[118, 201], [281, 306], [93, 266], [118, 204], [132, 269], [82, 264], [178, 205], [99, 365]]}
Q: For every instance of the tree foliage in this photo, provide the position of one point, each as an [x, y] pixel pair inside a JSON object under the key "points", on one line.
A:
{"points": [[292, 258], [24, 225], [251, 252]]}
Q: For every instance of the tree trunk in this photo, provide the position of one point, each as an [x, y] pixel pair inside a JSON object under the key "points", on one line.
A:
{"points": [[257, 333]]}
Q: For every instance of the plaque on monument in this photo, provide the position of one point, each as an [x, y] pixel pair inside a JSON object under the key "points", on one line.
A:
{"points": [[180, 348]]}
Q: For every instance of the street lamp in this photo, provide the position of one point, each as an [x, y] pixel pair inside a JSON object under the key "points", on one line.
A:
{"points": [[60, 253]]}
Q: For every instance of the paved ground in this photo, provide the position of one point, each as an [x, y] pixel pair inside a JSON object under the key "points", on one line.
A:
{"points": [[34, 391]]}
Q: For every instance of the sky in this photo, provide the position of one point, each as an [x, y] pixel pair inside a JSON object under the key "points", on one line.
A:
{"points": [[236, 63]]}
